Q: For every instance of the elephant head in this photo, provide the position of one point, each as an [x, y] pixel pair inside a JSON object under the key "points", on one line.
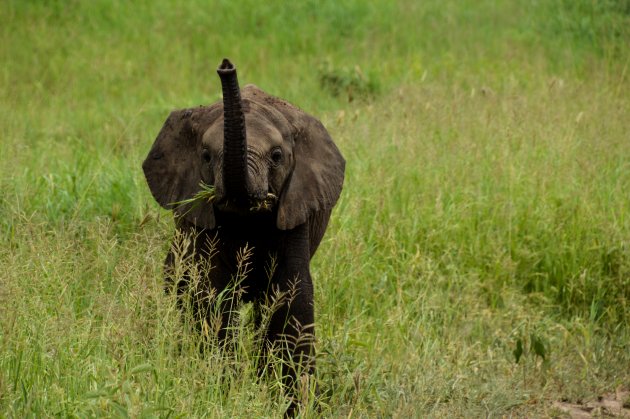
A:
{"points": [[258, 151]]}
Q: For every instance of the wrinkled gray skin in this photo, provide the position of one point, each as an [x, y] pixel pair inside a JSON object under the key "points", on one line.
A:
{"points": [[283, 177]]}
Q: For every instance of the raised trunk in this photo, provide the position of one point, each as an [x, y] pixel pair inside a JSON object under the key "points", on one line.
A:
{"points": [[234, 136]]}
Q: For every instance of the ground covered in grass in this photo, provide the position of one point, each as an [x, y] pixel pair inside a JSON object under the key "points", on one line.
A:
{"points": [[477, 264]]}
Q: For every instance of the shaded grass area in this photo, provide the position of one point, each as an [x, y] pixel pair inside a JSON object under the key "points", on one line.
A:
{"points": [[484, 209]]}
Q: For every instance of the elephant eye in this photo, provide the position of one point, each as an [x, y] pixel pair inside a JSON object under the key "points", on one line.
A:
{"points": [[206, 154], [276, 155]]}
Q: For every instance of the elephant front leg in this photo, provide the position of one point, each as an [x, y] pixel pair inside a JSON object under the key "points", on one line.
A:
{"points": [[291, 332], [291, 337]]}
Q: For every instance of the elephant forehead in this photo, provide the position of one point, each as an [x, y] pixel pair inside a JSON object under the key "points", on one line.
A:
{"points": [[260, 132]]}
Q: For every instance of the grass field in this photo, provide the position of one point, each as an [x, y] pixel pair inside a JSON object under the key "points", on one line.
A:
{"points": [[477, 264]]}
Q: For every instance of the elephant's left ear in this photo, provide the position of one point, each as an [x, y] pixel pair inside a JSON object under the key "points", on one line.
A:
{"points": [[316, 181]]}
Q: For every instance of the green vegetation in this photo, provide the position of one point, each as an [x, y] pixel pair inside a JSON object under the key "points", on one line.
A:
{"points": [[478, 262]]}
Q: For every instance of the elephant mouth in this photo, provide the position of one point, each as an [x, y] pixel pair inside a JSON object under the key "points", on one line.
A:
{"points": [[264, 205], [253, 205]]}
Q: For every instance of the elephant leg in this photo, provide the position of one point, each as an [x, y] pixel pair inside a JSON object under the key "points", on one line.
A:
{"points": [[291, 332], [201, 283], [223, 320], [291, 336]]}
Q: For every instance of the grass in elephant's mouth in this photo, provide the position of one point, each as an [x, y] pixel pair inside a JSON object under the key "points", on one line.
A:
{"points": [[264, 205], [205, 195]]}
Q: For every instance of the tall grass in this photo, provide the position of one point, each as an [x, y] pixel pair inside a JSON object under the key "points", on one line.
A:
{"points": [[485, 206]]}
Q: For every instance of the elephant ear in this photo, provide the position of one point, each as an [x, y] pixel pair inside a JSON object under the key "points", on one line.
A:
{"points": [[174, 167], [316, 181]]}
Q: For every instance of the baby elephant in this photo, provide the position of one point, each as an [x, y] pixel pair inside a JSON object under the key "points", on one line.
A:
{"points": [[276, 175]]}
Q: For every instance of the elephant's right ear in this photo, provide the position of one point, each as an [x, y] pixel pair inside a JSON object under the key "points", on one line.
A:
{"points": [[174, 168]]}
